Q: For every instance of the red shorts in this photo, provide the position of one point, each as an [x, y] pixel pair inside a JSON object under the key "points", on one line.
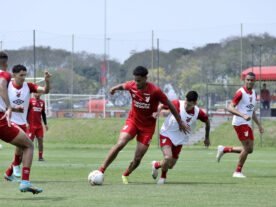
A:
{"points": [[23, 127], [144, 135], [244, 132], [7, 134], [35, 131], [165, 141]]}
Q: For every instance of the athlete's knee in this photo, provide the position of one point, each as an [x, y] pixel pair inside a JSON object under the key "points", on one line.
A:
{"points": [[250, 150], [168, 159]]}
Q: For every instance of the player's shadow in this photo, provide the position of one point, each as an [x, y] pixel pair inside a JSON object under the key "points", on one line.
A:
{"points": [[198, 183], [55, 181]]}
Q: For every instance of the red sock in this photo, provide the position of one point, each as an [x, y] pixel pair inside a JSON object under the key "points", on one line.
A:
{"points": [[40, 154], [17, 160], [157, 165], [10, 170], [239, 168], [164, 174], [227, 149], [126, 173], [102, 170], [25, 173]]}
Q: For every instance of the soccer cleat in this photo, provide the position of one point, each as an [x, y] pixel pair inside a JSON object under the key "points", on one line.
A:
{"points": [[41, 159], [161, 181], [220, 152], [26, 186], [154, 172], [16, 171], [238, 175], [125, 180], [10, 178]]}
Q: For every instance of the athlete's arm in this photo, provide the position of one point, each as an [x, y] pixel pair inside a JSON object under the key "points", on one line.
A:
{"points": [[46, 88], [207, 132], [119, 87], [18, 109], [233, 110], [43, 114], [5, 97], [157, 113], [182, 126], [255, 119]]}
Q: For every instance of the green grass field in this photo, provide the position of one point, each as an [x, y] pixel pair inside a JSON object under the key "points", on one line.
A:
{"points": [[196, 180]]}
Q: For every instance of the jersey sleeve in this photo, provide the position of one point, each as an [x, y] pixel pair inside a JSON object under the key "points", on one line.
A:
{"points": [[161, 96], [43, 109], [176, 105], [237, 97], [6, 75], [202, 116], [32, 87], [128, 85]]}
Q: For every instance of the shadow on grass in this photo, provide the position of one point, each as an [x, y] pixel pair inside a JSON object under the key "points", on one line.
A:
{"points": [[35, 198], [185, 183]]}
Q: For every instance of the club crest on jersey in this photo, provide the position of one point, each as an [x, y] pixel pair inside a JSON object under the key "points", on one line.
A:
{"points": [[18, 93], [188, 119], [41, 104], [147, 99], [250, 99]]}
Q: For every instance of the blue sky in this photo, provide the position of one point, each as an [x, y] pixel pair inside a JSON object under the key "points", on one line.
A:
{"points": [[177, 23]]}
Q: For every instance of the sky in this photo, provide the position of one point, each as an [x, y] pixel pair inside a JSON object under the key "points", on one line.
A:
{"points": [[79, 25]]}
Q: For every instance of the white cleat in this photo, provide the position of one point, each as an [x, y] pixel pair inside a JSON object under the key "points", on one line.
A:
{"points": [[154, 172], [16, 171], [238, 175], [161, 181], [220, 152]]}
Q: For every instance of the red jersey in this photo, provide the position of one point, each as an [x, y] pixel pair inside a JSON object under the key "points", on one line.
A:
{"points": [[7, 76], [202, 116], [144, 103], [34, 114]]}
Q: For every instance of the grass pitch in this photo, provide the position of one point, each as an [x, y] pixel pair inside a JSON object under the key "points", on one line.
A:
{"points": [[196, 180]]}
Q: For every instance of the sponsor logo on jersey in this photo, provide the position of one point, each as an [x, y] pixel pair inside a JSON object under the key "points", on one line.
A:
{"points": [[37, 109], [141, 105], [18, 101]]}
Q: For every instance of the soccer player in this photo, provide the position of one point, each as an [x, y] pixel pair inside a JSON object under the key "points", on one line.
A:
{"points": [[35, 111], [19, 93], [243, 108], [140, 122], [172, 139], [12, 134]]}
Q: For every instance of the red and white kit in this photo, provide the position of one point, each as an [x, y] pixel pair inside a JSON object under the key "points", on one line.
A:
{"points": [[170, 133], [245, 103], [140, 121], [7, 133], [34, 117]]}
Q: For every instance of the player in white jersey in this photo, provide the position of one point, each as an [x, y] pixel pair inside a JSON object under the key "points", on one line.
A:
{"points": [[243, 108], [172, 139]]}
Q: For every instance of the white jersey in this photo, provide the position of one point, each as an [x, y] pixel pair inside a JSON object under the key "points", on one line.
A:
{"points": [[20, 96], [246, 105], [7, 76], [170, 127]]}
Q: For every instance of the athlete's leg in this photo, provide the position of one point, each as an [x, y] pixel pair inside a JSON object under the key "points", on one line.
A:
{"points": [[40, 148], [124, 138]]}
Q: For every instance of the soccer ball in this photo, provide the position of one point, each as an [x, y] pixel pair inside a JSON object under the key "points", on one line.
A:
{"points": [[96, 177]]}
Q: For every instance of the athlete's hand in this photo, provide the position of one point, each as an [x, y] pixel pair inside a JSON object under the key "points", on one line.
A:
{"points": [[184, 127], [7, 115], [46, 127], [112, 91], [246, 118], [261, 129], [47, 76], [155, 114], [206, 142]]}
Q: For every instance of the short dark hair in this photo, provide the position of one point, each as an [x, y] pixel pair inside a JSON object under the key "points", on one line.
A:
{"points": [[251, 74], [192, 96], [18, 68], [3, 57], [264, 84], [140, 71]]}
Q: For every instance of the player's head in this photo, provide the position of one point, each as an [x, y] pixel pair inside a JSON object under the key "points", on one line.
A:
{"points": [[264, 86], [3, 60], [140, 77], [250, 80], [37, 96], [19, 73], [190, 101]]}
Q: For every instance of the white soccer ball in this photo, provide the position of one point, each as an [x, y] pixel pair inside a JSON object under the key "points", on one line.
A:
{"points": [[1, 146], [96, 177]]}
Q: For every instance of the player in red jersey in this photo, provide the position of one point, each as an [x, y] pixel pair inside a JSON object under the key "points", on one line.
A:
{"points": [[171, 139], [12, 134], [140, 122], [35, 112], [243, 109]]}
